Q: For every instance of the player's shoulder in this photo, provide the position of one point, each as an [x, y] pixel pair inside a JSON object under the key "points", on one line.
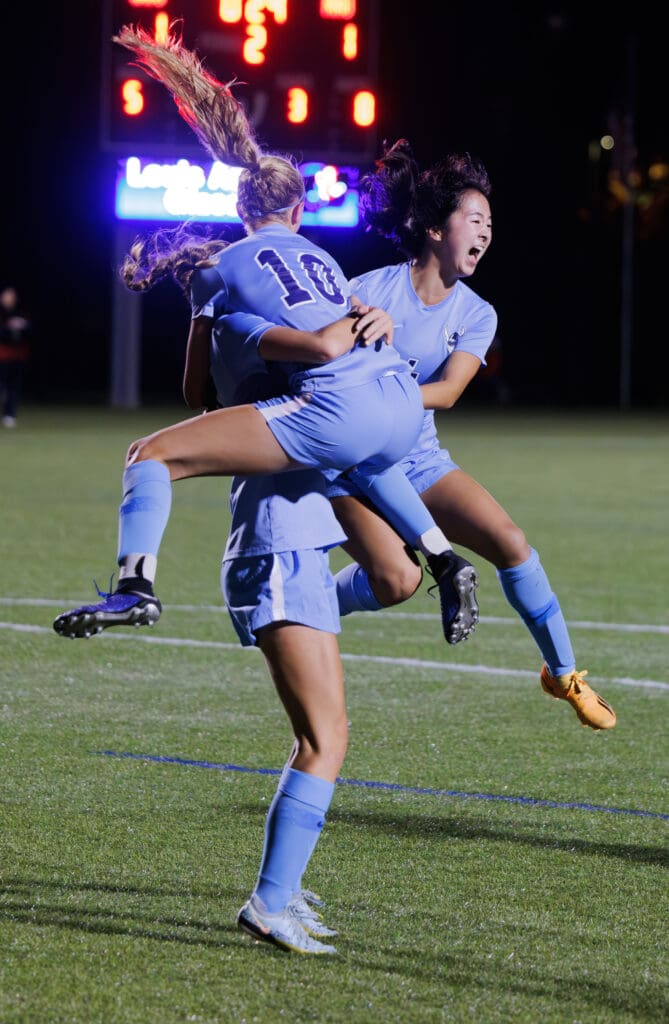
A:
{"points": [[474, 302], [207, 274], [390, 272], [206, 285], [382, 285]]}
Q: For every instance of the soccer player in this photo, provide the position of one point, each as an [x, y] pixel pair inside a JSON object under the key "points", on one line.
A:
{"points": [[281, 597], [440, 220], [356, 413]]}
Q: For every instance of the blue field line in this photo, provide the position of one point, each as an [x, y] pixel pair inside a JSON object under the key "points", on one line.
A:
{"points": [[393, 786]]}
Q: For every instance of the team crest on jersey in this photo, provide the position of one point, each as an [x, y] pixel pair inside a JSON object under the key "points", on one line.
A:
{"points": [[452, 339]]}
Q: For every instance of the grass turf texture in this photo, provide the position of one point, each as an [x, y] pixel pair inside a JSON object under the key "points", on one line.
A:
{"points": [[121, 877]]}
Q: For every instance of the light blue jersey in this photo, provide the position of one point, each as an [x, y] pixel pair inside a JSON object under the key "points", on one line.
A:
{"points": [[285, 512], [279, 275], [275, 564], [272, 513], [427, 335], [361, 412], [239, 373], [370, 424]]}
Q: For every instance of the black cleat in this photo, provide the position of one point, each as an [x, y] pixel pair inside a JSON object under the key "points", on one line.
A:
{"points": [[457, 580]]}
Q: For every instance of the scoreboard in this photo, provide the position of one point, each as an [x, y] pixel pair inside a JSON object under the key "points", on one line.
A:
{"points": [[306, 73]]}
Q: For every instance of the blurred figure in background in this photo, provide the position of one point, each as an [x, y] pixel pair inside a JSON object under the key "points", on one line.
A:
{"points": [[14, 352]]}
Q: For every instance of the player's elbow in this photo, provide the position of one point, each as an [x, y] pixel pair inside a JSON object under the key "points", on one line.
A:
{"points": [[322, 349], [328, 350]]}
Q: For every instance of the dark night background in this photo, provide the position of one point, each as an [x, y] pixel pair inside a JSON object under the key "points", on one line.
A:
{"points": [[526, 88]]}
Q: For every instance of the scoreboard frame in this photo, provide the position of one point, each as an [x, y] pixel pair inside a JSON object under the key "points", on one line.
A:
{"points": [[305, 51]]}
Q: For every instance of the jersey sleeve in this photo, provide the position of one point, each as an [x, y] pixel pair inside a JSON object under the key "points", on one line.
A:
{"points": [[359, 289], [479, 335], [206, 286], [246, 326]]}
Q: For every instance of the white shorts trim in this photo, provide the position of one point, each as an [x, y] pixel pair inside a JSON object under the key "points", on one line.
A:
{"points": [[270, 412]]}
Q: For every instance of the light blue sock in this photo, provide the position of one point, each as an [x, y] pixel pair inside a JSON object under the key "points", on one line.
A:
{"points": [[354, 592], [144, 510], [527, 589], [294, 822], [400, 503]]}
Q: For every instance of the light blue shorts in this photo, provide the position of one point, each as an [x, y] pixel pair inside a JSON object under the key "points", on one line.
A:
{"points": [[291, 586], [422, 471], [371, 425]]}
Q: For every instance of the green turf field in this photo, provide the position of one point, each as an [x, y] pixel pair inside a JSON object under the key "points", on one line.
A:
{"points": [[486, 859]]}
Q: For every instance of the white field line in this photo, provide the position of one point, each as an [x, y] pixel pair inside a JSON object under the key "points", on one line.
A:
{"points": [[417, 663], [494, 620]]}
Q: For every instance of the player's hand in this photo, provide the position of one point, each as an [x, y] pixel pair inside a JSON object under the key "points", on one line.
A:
{"points": [[373, 324]]}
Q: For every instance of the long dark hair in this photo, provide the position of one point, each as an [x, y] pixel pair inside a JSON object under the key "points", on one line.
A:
{"points": [[401, 203]]}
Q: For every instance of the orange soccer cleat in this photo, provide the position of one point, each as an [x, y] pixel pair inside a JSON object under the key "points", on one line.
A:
{"points": [[592, 709]]}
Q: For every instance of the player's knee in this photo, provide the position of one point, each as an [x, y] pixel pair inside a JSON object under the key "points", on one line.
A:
{"points": [[513, 547], [397, 583], [323, 752], [148, 448], [138, 451]]}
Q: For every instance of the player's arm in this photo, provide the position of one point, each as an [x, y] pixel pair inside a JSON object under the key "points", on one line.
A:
{"points": [[460, 370], [364, 326], [198, 387], [463, 364]]}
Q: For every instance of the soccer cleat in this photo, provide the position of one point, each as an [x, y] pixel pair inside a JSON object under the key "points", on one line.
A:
{"points": [[282, 929], [457, 580], [302, 906], [117, 609], [311, 897], [592, 709]]}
